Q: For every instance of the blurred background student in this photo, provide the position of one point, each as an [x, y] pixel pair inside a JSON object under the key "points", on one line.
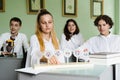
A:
{"points": [[71, 37], [14, 43]]}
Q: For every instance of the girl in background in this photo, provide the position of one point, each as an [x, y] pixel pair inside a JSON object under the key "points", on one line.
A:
{"points": [[71, 38]]}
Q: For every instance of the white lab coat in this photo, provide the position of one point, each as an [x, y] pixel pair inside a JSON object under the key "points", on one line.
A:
{"points": [[101, 43], [34, 53], [20, 40], [75, 42]]}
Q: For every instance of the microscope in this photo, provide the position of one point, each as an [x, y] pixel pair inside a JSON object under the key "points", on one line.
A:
{"points": [[10, 46]]}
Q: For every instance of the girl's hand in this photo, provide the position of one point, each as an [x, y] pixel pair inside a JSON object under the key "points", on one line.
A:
{"points": [[53, 60]]}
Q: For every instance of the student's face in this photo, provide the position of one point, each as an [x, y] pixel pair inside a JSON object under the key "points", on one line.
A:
{"points": [[103, 27], [46, 23], [71, 27], [14, 27]]}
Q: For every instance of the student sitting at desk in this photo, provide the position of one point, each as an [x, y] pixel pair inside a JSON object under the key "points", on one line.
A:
{"points": [[71, 38], [13, 42], [105, 41], [44, 40]]}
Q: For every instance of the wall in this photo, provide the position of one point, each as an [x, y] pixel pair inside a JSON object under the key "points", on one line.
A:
{"points": [[117, 16], [109, 9], [83, 19], [18, 8]]}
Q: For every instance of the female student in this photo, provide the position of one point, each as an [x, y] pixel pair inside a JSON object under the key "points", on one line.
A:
{"points": [[71, 38], [44, 39]]}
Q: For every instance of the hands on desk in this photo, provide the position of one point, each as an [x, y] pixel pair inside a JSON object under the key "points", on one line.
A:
{"points": [[8, 53], [53, 60], [5, 53]]}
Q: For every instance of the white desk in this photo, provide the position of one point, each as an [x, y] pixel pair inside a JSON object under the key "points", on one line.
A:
{"points": [[107, 69], [96, 72], [114, 62]]}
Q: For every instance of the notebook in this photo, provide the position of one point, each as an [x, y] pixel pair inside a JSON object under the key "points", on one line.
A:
{"points": [[105, 55]]}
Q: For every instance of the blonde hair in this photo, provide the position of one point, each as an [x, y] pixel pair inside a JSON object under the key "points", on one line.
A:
{"points": [[39, 32]]}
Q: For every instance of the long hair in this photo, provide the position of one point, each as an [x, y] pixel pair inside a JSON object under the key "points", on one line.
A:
{"points": [[66, 31], [38, 32]]}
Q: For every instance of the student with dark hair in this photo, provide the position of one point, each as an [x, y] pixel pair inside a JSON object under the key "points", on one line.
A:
{"points": [[14, 42], [71, 38], [105, 41]]}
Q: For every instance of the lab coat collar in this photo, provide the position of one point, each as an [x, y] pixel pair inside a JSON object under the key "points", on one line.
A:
{"points": [[105, 36]]}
